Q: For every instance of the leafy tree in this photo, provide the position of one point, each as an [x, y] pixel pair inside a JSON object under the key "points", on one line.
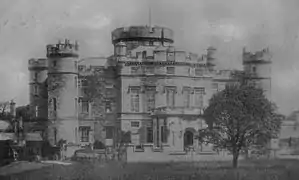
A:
{"points": [[238, 117]]}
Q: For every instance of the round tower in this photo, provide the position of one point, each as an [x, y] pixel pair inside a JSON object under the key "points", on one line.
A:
{"points": [[62, 91], [258, 68], [38, 93], [134, 36]]}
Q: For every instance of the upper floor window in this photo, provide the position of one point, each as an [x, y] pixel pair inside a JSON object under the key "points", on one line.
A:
{"points": [[134, 70], [150, 69], [198, 97], [54, 63], [54, 104], [151, 96], [144, 54], [35, 90], [109, 132], [85, 106], [108, 107], [170, 96], [198, 72], [215, 86], [254, 69], [135, 124], [81, 68], [170, 70], [186, 94], [135, 93], [35, 76]]}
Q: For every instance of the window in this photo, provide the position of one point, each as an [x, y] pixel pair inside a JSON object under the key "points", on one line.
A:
{"points": [[76, 65], [151, 43], [36, 90], [164, 133], [108, 107], [170, 97], [36, 111], [109, 132], [215, 86], [135, 124], [198, 93], [54, 63], [85, 134], [55, 135], [170, 70], [85, 107], [254, 69], [76, 104], [84, 82], [81, 68], [186, 94], [151, 93], [135, 100], [76, 81], [150, 70], [54, 104], [134, 70], [144, 54], [149, 135], [198, 72], [35, 76]]}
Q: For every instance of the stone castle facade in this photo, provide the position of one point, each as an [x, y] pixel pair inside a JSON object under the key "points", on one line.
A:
{"points": [[150, 88]]}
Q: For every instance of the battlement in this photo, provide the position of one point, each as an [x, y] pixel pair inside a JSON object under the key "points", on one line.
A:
{"points": [[65, 49], [40, 63], [263, 56], [141, 33]]}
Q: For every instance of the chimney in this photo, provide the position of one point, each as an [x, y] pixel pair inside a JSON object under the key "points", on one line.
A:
{"points": [[12, 108]]}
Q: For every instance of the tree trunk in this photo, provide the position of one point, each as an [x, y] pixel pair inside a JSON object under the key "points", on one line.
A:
{"points": [[235, 159]]}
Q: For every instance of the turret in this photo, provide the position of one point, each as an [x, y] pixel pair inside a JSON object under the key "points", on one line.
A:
{"points": [[257, 67], [62, 91]]}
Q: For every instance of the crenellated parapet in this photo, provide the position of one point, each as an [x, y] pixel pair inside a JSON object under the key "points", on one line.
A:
{"points": [[142, 33], [63, 49], [37, 64]]}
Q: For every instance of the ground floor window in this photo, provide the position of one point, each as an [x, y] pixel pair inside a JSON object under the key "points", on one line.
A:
{"points": [[109, 132], [85, 134], [149, 135]]}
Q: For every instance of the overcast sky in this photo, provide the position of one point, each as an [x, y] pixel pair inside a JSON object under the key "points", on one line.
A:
{"points": [[26, 26]]}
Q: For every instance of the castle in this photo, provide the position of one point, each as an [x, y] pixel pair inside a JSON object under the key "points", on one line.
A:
{"points": [[150, 88]]}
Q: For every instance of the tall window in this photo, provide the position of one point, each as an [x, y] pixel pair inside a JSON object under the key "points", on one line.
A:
{"points": [[76, 104], [170, 96], [199, 94], [215, 86], [35, 89], [85, 134], [134, 70], [134, 99], [35, 76], [54, 63], [186, 94], [85, 107], [55, 135], [109, 132], [149, 134], [54, 104], [164, 132], [150, 70], [151, 93], [170, 70], [36, 111], [76, 81], [144, 54], [198, 72], [108, 107]]}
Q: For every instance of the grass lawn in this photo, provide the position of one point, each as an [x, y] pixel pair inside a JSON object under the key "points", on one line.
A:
{"points": [[248, 170]]}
